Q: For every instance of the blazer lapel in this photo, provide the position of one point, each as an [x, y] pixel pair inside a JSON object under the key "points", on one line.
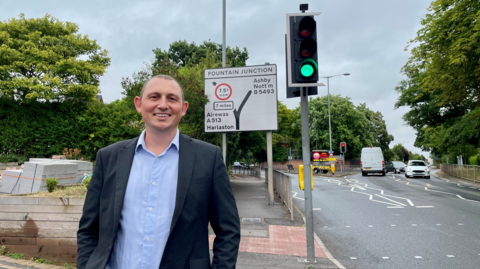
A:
{"points": [[186, 162], [124, 165]]}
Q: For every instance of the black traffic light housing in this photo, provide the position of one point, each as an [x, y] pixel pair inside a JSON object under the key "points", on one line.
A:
{"points": [[293, 92], [303, 49], [343, 147]]}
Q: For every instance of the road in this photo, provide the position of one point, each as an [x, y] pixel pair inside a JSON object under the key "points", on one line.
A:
{"points": [[395, 222]]}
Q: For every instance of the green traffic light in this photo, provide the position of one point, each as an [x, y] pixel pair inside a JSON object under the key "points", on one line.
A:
{"points": [[307, 70]]}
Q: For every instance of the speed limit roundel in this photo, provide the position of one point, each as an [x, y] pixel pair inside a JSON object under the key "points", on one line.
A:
{"points": [[316, 155]]}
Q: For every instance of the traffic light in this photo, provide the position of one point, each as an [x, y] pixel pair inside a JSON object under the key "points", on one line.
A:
{"points": [[343, 147], [303, 49]]}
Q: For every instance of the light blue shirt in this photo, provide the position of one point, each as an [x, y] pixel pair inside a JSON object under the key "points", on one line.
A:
{"points": [[147, 209]]}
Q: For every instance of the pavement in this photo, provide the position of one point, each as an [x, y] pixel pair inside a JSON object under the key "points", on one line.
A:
{"points": [[269, 238]]}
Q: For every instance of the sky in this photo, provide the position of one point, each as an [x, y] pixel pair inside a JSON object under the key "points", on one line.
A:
{"points": [[364, 38]]}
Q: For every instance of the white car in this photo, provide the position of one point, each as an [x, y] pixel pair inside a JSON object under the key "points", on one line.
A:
{"points": [[417, 168]]}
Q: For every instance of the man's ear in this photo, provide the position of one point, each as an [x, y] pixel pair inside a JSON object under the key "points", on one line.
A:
{"points": [[138, 104], [184, 108]]}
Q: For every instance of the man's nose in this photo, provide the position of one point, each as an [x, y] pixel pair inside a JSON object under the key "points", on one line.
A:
{"points": [[162, 103]]}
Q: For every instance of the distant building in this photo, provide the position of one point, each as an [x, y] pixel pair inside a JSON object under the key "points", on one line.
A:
{"points": [[99, 98]]}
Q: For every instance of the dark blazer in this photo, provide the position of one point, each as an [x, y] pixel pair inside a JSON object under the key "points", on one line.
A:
{"points": [[204, 195]]}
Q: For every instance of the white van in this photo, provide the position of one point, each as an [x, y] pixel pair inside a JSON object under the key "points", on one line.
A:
{"points": [[372, 161]]}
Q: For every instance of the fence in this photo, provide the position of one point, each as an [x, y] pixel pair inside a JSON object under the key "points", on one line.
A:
{"points": [[282, 185], [468, 172], [251, 171]]}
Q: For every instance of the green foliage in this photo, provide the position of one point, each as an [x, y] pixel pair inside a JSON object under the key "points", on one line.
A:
{"points": [[280, 154], [358, 126], [86, 181], [2, 250], [442, 88], [68, 266], [46, 59], [17, 256], [180, 53], [51, 184], [45, 129]]}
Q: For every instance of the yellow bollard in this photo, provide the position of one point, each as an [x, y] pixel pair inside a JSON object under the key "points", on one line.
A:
{"points": [[301, 178], [332, 167]]}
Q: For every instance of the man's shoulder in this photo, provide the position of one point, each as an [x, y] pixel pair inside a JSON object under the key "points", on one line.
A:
{"points": [[115, 147], [200, 144]]}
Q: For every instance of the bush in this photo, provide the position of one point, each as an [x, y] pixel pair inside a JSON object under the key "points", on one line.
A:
{"points": [[51, 184], [86, 182], [2, 250]]}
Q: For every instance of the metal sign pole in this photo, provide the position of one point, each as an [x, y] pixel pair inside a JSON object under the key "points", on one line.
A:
{"points": [[270, 168], [224, 63], [306, 173]]}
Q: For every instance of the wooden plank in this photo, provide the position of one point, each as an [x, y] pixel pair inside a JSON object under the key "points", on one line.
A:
{"points": [[18, 240], [26, 249], [41, 209], [69, 242], [18, 224], [41, 233], [41, 216]]}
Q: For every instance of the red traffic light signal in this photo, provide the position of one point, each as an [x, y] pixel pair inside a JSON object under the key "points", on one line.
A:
{"points": [[343, 147]]}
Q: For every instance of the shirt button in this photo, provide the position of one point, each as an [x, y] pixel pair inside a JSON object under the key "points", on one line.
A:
{"points": [[153, 183], [148, 239], [150, 209]]}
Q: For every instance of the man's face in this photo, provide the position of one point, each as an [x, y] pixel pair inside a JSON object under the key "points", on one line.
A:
{"points": [[161, 106]]}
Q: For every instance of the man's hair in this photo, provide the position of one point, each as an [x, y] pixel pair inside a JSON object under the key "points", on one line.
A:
{"points": [[166, 77]]}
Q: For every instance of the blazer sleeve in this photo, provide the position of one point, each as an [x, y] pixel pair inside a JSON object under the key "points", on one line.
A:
{"points": [[223, 216], [88, 232]]}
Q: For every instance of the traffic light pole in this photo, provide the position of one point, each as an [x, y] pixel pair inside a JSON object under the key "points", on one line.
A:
{"points": [[329, 122], [306, 173]]}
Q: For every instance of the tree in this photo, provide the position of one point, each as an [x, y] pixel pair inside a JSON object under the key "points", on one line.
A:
{"points": [[442, 87], [181, 53], [448, 51], [358, 126], [46, 59], [378, 127]]}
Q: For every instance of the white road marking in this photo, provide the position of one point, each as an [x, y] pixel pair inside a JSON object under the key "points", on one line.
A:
{"points": [[390, 200], [353, 258], [295, 194], [385, 258], [438, 224], [451, 256], [395, 207], [347, 226], [317, 209], [408, 183], [408, 200], [393, 225], [424, 206], [460, 224], [466, 199], [414, 224], [418, 257], [370, 226]]}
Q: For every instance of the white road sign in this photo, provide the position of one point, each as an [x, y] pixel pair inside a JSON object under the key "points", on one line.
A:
{"points": [[241, 99]]}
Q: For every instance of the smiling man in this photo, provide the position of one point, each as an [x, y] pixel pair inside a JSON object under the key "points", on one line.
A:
{"points": [[151, 198]]}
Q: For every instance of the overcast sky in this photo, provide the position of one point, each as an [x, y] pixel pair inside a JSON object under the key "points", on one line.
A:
{"points": [[364, 38]]}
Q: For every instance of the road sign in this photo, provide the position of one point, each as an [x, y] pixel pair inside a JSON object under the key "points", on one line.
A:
{"points": [[241, 99], [289, 158], [330, 152], [331, 155]]}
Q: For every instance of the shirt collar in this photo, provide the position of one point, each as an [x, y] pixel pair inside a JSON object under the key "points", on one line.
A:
{"points": [[141, 141]]}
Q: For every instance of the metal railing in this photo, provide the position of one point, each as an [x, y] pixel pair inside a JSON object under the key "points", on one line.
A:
{"points": [[468, 172], [282, 185], [252, 171]]}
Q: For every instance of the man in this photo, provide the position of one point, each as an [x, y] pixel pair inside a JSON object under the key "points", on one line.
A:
{"points": [[151, 198]]}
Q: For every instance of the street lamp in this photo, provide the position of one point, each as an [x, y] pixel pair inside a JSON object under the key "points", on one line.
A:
{"points": [[328, 89]]}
